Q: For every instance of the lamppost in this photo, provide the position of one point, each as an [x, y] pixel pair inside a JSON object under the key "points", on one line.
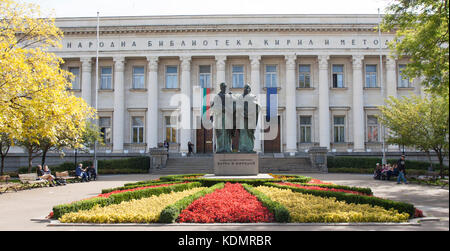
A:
{"points": [[383, 161]]}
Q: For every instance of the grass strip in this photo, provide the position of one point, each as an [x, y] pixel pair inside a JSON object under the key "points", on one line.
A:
{"points": [[277, 209]]}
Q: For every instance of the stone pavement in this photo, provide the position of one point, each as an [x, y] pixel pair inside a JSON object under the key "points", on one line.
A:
{"points": [[18, 208]]}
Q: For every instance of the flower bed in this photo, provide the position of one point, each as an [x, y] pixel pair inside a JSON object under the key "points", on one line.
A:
{"points": [[146, 210], [106, 195], [230, 204], [308, 208], [318, 188], [193, 199]]}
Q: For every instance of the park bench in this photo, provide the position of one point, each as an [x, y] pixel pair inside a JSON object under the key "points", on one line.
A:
{"points": [[5, 178], [30, 178], [64, 176]]}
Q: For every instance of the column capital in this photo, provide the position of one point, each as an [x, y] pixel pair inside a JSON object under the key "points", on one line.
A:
{"points": [[185, 63], [323, 61], [390, 63], [220, 62], [290, 61], [255, 62], [86, 63], [119, 63], [152, 63], [357, 61]]}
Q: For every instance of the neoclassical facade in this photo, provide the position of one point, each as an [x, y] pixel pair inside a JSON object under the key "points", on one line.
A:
{"points": [[152, 72]]}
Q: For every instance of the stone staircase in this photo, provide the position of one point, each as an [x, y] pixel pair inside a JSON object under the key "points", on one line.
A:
{"points": [[176, 164], [187, 165]]}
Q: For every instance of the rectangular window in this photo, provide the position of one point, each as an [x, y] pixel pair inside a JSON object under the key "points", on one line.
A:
{"points": [[371, 76], [137, 125], [339, 129], [171, 77], [403, 82], [238, 76], [305, 129], [372, 129], [338, 76], [171, 131], [304, 76], [106, 78], [205, 76], [271, 76], [76, 80], [105, 129], [138, 77]]}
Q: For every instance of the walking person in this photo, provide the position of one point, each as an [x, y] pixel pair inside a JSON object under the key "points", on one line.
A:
{"points": [[401, 166], [191, 148]]}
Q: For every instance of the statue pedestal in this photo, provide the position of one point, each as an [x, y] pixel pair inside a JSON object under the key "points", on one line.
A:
{"points": [[236, 164]]}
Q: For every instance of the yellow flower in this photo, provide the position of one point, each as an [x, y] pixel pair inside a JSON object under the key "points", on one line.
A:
{"points": [[309, 208], [145, 210]]}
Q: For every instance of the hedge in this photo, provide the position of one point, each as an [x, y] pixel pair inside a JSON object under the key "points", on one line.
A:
{"points": [[364, 190], [210, 182], [370, 163], [401, 207], [171, 212], [60, 210], [278, 210], [108, 190], [113, 166]]}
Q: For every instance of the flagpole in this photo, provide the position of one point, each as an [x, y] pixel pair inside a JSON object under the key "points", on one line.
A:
{"points": [[96, 89], [383, 161]]}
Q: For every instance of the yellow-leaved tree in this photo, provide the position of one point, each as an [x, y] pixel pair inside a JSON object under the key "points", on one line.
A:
{"points": [[35, 102]]}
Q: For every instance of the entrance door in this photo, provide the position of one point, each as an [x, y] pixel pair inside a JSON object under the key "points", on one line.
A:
{"points": [[204, 140], [273, 146]]}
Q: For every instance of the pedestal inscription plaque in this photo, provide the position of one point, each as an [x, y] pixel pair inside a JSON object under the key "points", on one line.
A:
{"points": [[230, 164]]}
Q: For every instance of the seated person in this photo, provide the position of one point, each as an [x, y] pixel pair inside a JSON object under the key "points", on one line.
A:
{"points": [[91, 173], [377, 173], [46, 174], [394, 170], [80, 172]]}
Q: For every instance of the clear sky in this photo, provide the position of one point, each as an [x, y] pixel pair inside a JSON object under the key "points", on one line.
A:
{"points": [[89, 8]]}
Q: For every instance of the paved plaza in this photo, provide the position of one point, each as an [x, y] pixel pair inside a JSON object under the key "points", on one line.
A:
{"points": [[19, 208]]}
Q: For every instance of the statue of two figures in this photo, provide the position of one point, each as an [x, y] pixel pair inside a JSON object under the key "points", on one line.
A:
{"points": [[232, 112]]}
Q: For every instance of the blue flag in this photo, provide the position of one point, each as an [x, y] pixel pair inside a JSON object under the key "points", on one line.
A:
{"points": [[272, 103]]}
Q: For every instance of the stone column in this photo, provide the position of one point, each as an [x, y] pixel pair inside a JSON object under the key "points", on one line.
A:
{"points": [[152, 100], [86, 77], [324, 102], [358, 104], [186, 107], [256, 90], [391, 77], [291, 104], [220, 68], [119, 104]]}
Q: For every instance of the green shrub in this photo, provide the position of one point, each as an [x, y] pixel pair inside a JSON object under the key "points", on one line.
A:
{"points": [[363, 190], [370, 163], [401, 207], [280, 212], [210, 182], [113, 166], [171, 212], [60, 210], [108, 190]]}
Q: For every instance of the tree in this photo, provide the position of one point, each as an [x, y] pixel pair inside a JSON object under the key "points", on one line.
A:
{"points": [[422, 34], [5, 144], [35, 104], [419, 122]]}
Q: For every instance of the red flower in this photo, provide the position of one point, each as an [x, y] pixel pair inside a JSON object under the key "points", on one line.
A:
{"points": [[418, 213], [230, 204], [322, 188], [106, 195]]}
